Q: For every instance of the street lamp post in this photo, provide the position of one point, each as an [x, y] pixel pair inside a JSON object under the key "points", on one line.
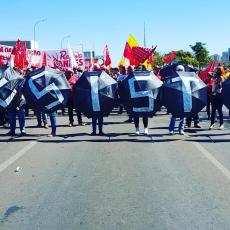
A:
{"points": [[65, 37], [35, 25]]}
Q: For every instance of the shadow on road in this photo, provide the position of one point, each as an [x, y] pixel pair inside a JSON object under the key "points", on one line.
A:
{"points": [[209, 140]]}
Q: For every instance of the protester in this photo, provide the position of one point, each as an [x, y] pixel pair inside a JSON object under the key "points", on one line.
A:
{"points": [[156, 71], [19, 110], [196, 120], [121, 76], [216, 100], [72, 80], [97, 118], [26, 74], [172, 125], [2, 118], [129, 70], [42, 117], [179, 68], [144, 119], [209, 81], [53, 124]]}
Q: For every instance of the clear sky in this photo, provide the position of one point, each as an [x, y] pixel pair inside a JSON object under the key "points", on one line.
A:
{"points": [[170, 24]]}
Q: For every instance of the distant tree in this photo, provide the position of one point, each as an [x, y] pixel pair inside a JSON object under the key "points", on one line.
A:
{"points": [[201, 54], [186, 57], [157, 59]]}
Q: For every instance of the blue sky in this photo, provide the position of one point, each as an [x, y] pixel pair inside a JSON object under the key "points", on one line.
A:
{"points": [[170, 24]]}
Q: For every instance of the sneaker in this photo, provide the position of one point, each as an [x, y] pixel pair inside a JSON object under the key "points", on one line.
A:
{"points": [[51, 135], [212, 126], [93, 134], [137, 132], [11, 134], [70, 124], [39, 125], [6, 126], [197, 126], [171, 132], [221, 127], [101, 133], [146, 132], [81, 124], [181, 132], [46, 126], [23, 133]]}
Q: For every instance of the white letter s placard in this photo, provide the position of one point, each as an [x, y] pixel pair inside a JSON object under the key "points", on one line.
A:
{"points": [[138, 94]]}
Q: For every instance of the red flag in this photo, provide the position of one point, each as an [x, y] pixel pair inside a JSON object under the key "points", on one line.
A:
{"points": [[42, 60], [169, 57], [16, 53], [25, 62], [128, 53], [210, 68], [150, 59], [106, 56], [141, 54], [18, 44], [20, 55]]}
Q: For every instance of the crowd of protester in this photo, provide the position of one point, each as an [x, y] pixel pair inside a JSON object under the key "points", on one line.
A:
{"points": [[213, 80]]}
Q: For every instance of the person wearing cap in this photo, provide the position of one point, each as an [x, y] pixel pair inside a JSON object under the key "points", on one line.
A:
{"points": [[179, 68]]}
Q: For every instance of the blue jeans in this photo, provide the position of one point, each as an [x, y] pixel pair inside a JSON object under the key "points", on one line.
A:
{"points": [[173, 121], [96, 118], [53, 123], [41, 117], [12, 119]]}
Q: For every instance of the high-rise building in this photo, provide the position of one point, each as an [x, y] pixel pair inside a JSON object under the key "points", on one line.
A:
{"points": [[216, 58], [225, 57]]}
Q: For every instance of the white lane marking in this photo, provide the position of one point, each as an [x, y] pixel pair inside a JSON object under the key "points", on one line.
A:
{"points": [[212, 159], [16, 156]]}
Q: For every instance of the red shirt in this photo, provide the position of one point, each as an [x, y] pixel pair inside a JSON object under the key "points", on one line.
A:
{"points": [[209, 82], [72, 80]]}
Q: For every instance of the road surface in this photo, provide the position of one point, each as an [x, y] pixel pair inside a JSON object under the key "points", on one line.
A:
{"points": [[117, 181]]}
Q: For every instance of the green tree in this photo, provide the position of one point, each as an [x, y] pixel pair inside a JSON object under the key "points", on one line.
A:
{"points": [[157, 59], [201, 54], [186, 57]]}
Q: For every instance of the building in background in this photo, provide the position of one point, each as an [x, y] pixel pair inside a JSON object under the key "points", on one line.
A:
{"points": [[216, 58], [225, 57], [30, 44]]}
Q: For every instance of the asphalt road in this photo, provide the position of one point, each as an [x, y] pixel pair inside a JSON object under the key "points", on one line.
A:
{"points": [[119, 181]]}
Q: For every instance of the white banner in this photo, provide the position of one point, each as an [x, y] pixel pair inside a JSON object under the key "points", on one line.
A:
{"points": [[5, 52], [61, 58]]}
